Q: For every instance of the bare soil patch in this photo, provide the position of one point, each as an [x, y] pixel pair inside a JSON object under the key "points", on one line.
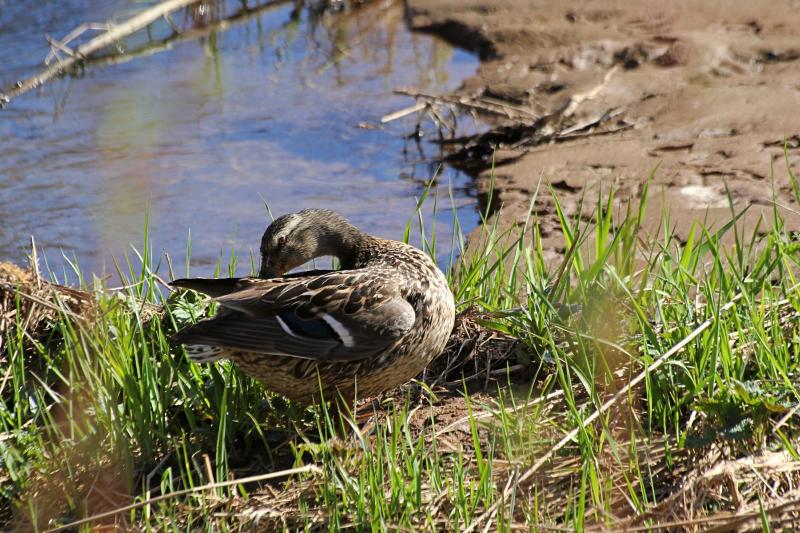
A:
{"points": [[599, 94]]}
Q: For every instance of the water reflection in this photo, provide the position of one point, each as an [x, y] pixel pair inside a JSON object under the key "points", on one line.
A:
{"points": [[204, 133]]}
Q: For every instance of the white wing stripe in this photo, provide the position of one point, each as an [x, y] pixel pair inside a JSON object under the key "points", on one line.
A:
{"points": [[340, 330], [285, 327]]}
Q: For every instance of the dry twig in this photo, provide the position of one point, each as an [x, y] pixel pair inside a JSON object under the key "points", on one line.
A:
{"points": [[109, 37]]}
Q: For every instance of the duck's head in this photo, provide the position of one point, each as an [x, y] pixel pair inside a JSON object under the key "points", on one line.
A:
{"points": [[296, 238]]}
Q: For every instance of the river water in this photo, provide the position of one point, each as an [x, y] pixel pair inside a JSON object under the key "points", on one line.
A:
{"points": [[282, 107]]}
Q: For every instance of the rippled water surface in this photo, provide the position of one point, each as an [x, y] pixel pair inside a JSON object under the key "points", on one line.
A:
{"points": [[281, 107]]}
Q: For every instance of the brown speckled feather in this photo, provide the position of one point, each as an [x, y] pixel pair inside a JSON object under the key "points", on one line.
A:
{"points": [[361, 330], [254, 309]]}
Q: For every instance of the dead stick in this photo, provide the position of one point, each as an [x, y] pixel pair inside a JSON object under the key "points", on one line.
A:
{"points": [[103, 40], [188, 34], [403, 112], [484, 104]]}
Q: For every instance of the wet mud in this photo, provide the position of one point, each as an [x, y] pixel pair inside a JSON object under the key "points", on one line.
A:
{"points": [[701, 95]]}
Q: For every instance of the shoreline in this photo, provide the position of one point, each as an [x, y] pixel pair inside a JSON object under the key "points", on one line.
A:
{"points": [[698, 95]]}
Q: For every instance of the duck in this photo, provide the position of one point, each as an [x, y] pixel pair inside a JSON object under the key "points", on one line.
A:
{"points": [[315, 335]]}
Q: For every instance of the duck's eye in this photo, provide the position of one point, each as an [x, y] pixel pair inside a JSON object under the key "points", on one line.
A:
{"points": [[281, 241]]}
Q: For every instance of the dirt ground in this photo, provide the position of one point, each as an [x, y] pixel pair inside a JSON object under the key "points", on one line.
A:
{"points": [[605, 91]]}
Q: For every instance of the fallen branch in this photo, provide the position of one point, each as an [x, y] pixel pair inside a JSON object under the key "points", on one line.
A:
{"points": [[112, 35], [521, 127], [419, 106], [481, 104], [180, 35]]}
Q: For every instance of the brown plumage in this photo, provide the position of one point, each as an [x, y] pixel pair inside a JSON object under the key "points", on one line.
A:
{"points": [[363, 330]]}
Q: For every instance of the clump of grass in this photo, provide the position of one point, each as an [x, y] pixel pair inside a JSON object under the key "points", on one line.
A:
{"points": [[642, 381]]}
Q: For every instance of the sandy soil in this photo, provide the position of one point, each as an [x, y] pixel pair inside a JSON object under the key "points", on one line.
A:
{"points": [[706, 91]]}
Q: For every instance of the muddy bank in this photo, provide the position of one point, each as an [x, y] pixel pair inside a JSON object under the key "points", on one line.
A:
{"points": [[607, 91]]}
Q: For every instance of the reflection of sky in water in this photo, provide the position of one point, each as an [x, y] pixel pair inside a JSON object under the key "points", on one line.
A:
{"points": [[201, 133]]}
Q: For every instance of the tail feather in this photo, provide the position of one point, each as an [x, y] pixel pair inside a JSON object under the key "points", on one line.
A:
{"points": [[214, 287]]}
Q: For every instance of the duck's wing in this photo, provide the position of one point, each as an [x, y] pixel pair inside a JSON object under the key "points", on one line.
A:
{"points": [[211, 286], [335, 317], [216, 287]]}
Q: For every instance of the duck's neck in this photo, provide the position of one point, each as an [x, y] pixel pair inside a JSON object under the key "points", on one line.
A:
{"points": [[344, 241]]}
